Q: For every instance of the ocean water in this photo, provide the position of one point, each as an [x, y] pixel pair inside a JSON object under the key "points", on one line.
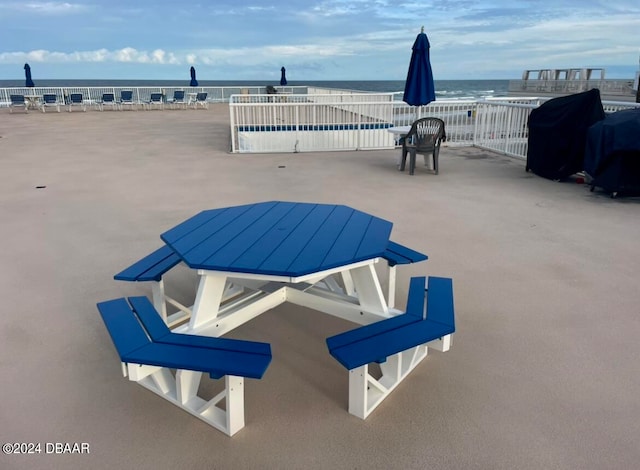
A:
{"points": [[445, 89]]}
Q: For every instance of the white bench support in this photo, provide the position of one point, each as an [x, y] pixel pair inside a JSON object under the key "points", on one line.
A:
{"points": [[182, 391], [349, 287], [366, 393], [183, 313]]}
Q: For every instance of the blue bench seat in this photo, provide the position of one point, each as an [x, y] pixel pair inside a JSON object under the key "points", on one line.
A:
{"points": [[151, 267], [376, 342], [399, 254], [216, 356], [160, 333]]}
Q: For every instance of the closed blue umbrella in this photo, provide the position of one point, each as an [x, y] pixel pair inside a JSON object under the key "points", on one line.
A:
{"points": [[283, 78], [419, 88], [194, 82], [27, 74]]}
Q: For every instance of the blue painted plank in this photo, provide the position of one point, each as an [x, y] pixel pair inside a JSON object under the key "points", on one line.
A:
{"points": [[134, 346], [126, 332], [368, 331], [399, 254], [257, 230], [394, 259], [282, 257], [215, 362], [211, 238], [151, 267], [348, 241], [270, 243], [415, 299], [440, 301], [376, 238], [150, 318], [222, 344], [217, 216], [190, 233], [377, 348], [176, 233], [155, 273], [279, 238], [415, 312], [310, 258], [160, 333]]}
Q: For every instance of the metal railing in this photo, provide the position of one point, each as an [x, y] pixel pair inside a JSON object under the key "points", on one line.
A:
{"points": [[347, 122], [502, 127], [611, 88], [294, 120], [320, 122], [92, 95], [325, 122]]}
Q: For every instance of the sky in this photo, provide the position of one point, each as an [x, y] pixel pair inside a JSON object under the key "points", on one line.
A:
{"points": [[314, 40]]}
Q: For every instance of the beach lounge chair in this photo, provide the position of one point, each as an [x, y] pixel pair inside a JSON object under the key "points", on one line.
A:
{"points": [[108, 99], [178, 99], [76, 99], [126, 99], [424, 138], [155, 100], [49, 100], [201, 100], [18, 101]]}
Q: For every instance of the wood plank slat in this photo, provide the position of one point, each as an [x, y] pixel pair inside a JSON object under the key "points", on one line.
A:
{"points": [[378, 348], [207, 240], [348, 241], [311, 256], [151, 267], [159, 332], [269, 244], [176, 233], [283, 256], [378, 229], [254, 232]]}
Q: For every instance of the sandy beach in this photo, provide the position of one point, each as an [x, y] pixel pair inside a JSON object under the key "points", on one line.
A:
{"points": [[543, 372]]}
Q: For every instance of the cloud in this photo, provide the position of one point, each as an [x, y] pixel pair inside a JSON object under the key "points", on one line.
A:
{"points": [[354, 38], [126, 55], [46, 8]]}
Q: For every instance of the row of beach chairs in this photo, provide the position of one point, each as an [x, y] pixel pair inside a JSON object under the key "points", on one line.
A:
{"points": [[108, 100]]}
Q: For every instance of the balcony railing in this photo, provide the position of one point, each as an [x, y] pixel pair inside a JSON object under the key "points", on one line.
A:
{"points": [[301, 119], [141, 94]]}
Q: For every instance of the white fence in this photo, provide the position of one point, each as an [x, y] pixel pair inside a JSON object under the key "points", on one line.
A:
{"points": [[321, 122], [332, 122], [306, 119], [614, 89], [502, 127], [92, 95]]}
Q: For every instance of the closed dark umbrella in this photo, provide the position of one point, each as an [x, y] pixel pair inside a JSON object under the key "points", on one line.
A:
{"points": [[194, 82], [27, 75], [283, 78], [419, 88]]}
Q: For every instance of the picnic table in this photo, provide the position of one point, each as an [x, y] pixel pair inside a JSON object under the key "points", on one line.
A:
{"points": [[254, 257], [282, 251]]}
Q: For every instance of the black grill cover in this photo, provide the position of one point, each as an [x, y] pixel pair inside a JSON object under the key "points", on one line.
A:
{"points": [[612, 156], [558, 133]]}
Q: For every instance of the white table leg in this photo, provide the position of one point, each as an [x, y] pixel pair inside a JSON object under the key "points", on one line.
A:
{"points": [[368, 289], [208, 299]]}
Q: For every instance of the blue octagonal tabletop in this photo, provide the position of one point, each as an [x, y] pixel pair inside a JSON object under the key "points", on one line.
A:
{"points": [[278, 238]]}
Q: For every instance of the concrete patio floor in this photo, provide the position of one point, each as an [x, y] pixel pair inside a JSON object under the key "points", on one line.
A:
{"points": [[543, 372]]}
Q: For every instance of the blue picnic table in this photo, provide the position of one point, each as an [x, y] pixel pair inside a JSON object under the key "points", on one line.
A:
{"points": [[288, 239], [320, 256], [282, 251]]}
